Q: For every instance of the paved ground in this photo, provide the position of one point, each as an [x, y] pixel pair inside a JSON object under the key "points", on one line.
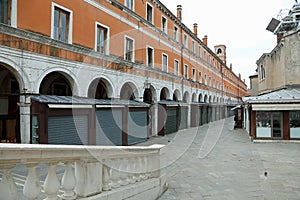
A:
{"points": [[216, 162]]}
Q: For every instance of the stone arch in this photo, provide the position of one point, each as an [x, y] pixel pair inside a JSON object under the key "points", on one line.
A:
{"points": [[176, 95], [164, 94], [100, 88], [200, 98], [129, 91], [206, 98], [186, 97], [149, 95], [194, 97], [47, 78], [56, 83]]}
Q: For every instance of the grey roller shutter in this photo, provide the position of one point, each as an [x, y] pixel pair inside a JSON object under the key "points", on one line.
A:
{"points": [[204, 115], [109, 127], [171, 122], [72, 130], [137, 127], [183, 112]]}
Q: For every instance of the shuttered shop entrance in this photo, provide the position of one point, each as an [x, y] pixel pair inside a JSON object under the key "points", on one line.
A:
{"points": [[137, 126], [109, 127], [171, 122], [182, 116], [72, 130]]}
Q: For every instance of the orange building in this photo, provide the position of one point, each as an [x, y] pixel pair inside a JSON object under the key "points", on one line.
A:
{"points": [[132, 66]]}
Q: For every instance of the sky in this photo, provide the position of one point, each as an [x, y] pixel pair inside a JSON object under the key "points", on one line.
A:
{"points": [[239, 25]]}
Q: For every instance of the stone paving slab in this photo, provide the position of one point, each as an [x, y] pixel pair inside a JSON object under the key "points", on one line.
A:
{"points": [[216, 162]]}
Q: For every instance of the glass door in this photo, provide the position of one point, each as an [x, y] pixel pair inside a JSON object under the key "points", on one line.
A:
{"points": [[277, 125]]}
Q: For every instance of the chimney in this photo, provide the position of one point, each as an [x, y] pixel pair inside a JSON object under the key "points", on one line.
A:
{"points": [[196, 29], [244, 80], [179, 12], [231, 66], [205, 40], [240, 76]]}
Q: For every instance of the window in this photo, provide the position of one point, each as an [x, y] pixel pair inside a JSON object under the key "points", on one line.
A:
{"points": [[205, 79], [199, 51], [164, 62], [295, 124], [4, 12], [185, 38], [186, 71], [204, 55], [200, 77], [61, 24], [193, 46], [129, 49], [129, 4], [219, 51], [149, 13], [175, 33], [102, 39], [150, 56], [164, 24], [194, 74], [262, 73], [176, 67]]}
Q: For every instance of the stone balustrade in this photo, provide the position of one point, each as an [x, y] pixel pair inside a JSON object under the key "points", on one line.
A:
{"points": [[87, 172]]}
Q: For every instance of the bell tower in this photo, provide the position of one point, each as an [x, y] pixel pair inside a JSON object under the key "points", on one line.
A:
{"points": [[220, 51]]}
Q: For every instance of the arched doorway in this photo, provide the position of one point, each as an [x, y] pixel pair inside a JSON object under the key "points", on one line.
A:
{"points": [[164, 94], [56, 84], [98, 89], [9, 109], [127, 92]]}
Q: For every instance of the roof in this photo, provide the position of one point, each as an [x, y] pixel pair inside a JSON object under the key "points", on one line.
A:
{"points": [[289, 95], [53, 99]]}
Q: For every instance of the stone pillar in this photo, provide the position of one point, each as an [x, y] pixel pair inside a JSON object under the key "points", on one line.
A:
{"points": [[189, 116], [24, 106], [154, 118]]}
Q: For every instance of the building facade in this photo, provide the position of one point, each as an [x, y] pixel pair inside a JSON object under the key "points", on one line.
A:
{"points": [[64, 65], [273, 111]]}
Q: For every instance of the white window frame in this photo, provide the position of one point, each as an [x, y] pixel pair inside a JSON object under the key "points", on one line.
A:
{"points": [[186, 41], [133, 48], [162, 62], [200, 77], [70, 32], [125, 2], [107, 40], [199, 51], [194, 74], [147, 61], [176, 34], [193, 46], [164, 29], [148, 4], [176, 71], [186, 71]]}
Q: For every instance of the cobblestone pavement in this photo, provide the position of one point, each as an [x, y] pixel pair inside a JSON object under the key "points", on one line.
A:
{"points": [[216, 162]]}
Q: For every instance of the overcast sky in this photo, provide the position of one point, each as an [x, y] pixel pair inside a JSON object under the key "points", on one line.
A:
{"points": [[240, 25]]}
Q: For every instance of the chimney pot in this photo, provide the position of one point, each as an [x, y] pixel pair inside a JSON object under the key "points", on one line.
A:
{"points": [[196, 29], [231, 66], [205, 40], [179, 12]]}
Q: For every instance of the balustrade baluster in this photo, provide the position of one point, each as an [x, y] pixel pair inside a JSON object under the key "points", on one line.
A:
{"points": [[115, 177], [8, 187], [68, 182], [106, 177], [32, 186], [51, 184]]}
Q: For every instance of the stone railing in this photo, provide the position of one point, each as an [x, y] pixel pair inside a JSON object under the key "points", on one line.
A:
{"points": [[81, 172]]}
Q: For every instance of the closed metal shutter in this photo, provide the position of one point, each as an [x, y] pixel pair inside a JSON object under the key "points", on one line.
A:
{"points": [[137, 127], [183, 112], [109, 127], [171, 124], [72, 130], [199, 116], [204, 115]]}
